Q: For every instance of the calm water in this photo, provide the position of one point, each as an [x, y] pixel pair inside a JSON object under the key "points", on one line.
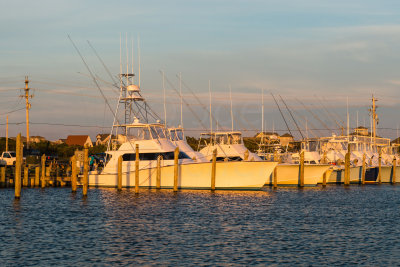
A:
{"points": [[314, 226]]}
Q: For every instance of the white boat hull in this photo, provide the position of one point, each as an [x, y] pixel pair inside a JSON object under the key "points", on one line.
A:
{"points": [[229, 175], [387, 174], [337, 176], [289, 174]]}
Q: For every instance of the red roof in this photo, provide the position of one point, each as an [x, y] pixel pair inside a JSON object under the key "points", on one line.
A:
{"points": [[76, 140]]}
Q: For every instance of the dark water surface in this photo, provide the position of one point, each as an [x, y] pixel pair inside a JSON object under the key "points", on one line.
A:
{"points": [[313, 226]]}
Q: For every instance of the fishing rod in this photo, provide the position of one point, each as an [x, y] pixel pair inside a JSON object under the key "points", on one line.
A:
{"points": [[298, 128], [282, 114]]}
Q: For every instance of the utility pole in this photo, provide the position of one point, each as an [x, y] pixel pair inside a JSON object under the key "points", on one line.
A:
{"points": [[27, 106], [374, 118], [7, 135]]}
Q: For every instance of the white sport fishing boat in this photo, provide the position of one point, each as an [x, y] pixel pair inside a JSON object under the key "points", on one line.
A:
{"points": [[177, 137], [154, 145]]}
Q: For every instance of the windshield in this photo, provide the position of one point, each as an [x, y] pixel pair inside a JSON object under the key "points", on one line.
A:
{"points": [[139, 133], [236, 138], [157, 132], [13, 154], [179, 134]]}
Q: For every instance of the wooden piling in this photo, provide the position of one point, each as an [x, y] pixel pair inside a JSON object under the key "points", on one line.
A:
{"points": [[301, 180], [17, 176], [3, 177], [158, 178], [213, 169], [324, 178], [26, 174], [37, 176], [363, 169], [347, 169], [176, 168], [74, 174], [275, 178], [394, 170], [119, 185], [246, 155], [85, 181], [43, 177], [380, 167], [137, 168]]}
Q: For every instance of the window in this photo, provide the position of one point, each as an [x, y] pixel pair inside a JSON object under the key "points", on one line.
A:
{"points": [[6, 155], [154, 156]]}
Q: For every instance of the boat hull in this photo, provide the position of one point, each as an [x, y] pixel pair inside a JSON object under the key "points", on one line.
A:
{"points": [[337, 175], [229, 175], [289, 174], [387, 174]]}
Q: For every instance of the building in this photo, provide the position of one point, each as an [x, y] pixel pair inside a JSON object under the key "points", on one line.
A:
{"points": [[286, 139], [267, 135], [37, 139], [80, 140], [102, 139], [361, 131]]}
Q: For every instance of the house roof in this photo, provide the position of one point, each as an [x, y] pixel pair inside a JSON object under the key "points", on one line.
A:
{"points": [[76, 140], [103, 136]]}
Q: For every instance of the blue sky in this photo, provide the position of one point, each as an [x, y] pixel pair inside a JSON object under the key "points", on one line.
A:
{"points": [[298, 49]]}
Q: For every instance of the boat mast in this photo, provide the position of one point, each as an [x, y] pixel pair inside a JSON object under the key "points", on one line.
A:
{"points": [[262, 115], [348, 121], [180, 94], [230, 96], [165, 108], [374, 118]]}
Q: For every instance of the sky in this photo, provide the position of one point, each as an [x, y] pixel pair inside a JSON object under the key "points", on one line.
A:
{"points": [[314, 54]]}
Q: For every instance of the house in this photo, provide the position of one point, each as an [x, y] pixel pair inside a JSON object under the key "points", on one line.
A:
{"points": [[102, 139], [267, 135], [37, 139], [361, 131], [80, 140], [286, 139]]}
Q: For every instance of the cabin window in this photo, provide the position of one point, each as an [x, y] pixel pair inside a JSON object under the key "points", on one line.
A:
{"points": [[6, 155], [179, 135], [139, 133], [153, 156]]}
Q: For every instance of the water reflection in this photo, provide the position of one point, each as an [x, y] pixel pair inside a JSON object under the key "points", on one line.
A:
{"points": [[331, 225]]}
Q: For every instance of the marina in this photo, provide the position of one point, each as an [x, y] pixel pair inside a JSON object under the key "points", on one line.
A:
{"points": [[200, 133]]}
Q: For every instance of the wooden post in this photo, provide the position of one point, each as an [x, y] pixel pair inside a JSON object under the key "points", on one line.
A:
{"points": [[43, 161], [85, 171], [379, 167], [26, 174], [394, 171], [3, 177], [176, 168], [119, 186], [37, 176], [158, 178], [246, 155], [137, 168], [275, 178], [347, 169], [17, 176], [301, 182], [275, 155], [74, 174], [324, 179], [213, 169], [363, 170]]}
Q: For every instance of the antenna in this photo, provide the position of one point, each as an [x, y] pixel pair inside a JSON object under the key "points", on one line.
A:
{"points": [[132, 61], [262, 115], [209, 90], [230, 96], [165, 108], [180, 94], [127, 60], [348, 121], [139, 59]]}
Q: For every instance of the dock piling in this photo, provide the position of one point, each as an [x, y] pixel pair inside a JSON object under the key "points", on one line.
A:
{"points": [[85, 181], [119, 186], [3, 177], [380, 167], [73, 174], [26, 174], [301, 182], [37, 176], [43, 162], [158, 178], [137, 158], [176, 168], [213, 169], [394, 170], [17, 176], [363, 169], [275, 178], [324, 179]]}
